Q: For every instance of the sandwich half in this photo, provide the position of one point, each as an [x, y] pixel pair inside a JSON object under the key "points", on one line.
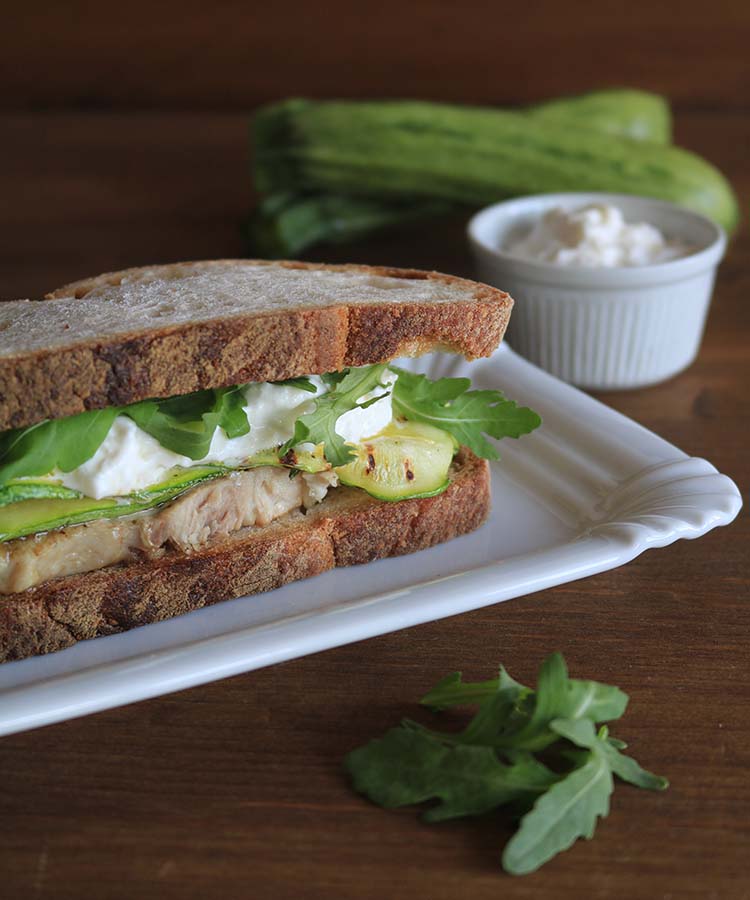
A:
{"points": [[178, 435]]}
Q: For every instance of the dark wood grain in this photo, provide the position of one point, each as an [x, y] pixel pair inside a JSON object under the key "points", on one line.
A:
{"points": [[236, 54], [236, 789]]}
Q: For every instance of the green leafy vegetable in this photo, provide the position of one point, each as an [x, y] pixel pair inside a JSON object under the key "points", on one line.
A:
{"points": [[493, 761], [186, 424], [452, 691], [406, 767], [344, 394], [567, 811], [467, 415], [502, 703], [581, 733], [183, 424], [514, 717], [62, 444], [302, 383], [560, 697]]}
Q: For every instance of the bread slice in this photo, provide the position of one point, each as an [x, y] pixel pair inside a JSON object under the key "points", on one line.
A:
{"points": [[347, 528], [173, 329]]}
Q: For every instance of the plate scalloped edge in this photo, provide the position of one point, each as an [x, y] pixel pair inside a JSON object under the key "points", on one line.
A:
{"points": [[632, 492]]}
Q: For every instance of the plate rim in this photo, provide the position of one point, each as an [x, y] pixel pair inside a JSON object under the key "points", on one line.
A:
{"points": [[673, 497]]}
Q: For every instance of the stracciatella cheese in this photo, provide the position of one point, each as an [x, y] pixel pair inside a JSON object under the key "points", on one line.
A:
{"points": [[130, 459], [595, 235]]}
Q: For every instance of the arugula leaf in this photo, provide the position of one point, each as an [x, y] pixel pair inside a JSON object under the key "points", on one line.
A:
{"points": [[452, 691], [467, 415], [61, 444], [407, 767], [183, 424], [186, 424], [560, 697], [330, 379], [302, 383], [498, 711], [345, 390], [27, 451], [582, 734], [514, 717], [567, 811], [79, 437], [492, 762], [231, 410], [626, 768]]}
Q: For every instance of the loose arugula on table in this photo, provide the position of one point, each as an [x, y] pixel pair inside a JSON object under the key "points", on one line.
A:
{"points": [[186, 424], [495, 760]]}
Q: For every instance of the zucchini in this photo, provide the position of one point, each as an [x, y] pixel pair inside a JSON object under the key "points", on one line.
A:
{"points": [[284, 223], [36, 506], [469, 155], [31, 489], [40, 513], [406, 459], [633, 114]]}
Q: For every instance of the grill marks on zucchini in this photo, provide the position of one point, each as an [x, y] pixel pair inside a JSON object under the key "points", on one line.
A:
{"points": [[405, 460]]}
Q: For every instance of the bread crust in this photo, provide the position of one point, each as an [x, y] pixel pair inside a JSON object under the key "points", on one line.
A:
{"points": [[268, 346], [348, 528]]}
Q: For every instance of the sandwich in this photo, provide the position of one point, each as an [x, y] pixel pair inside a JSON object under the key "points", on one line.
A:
{"points": [[178, 435]]}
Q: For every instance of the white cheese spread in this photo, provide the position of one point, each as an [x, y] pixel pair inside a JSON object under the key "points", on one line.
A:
{"points": [[596, 235], [130, 459]]}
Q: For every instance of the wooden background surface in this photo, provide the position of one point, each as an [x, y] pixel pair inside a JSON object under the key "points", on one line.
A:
{"points": [[123, 137]]}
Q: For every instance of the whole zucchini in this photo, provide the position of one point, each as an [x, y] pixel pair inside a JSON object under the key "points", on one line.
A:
{"points": [[629, 113], [469, 155], [285, 223]]}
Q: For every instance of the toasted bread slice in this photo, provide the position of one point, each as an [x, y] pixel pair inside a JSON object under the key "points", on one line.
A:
{"points": [[165, 330], [347, 528]]}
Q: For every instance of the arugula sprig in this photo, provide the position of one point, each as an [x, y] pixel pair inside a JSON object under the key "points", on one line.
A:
{"points": [[302, 383], [183, 424], [447, 403], [467, 415], [187, 424], [494, 760], [62, 444], [345, 389]]}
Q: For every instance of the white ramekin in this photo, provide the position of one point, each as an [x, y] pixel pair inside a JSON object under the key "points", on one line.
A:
{"points": [[603, 328]]}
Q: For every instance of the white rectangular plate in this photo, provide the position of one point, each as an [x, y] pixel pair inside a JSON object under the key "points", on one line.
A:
{"points": [[586, 492]]}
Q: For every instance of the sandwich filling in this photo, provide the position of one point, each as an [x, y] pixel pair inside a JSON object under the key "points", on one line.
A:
{"points": [[135, 482]]}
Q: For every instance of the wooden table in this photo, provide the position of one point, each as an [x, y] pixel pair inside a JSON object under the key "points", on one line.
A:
{"points": [[236, 789]]}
